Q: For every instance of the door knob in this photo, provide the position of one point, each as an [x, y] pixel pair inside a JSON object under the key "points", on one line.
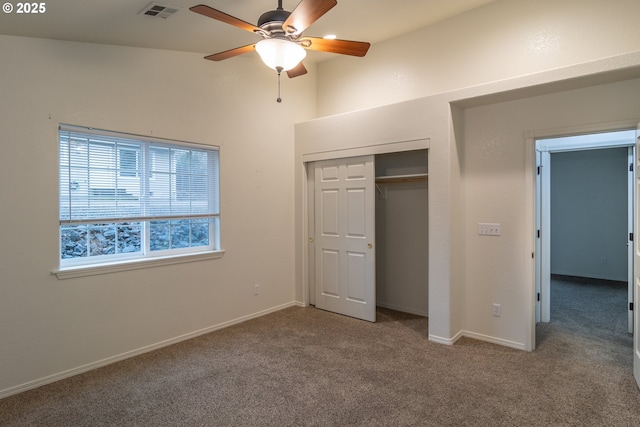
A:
{"points": [[370, 245]]}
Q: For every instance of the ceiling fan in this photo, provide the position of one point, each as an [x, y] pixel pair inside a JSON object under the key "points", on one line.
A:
{"points": [[282, 46]]}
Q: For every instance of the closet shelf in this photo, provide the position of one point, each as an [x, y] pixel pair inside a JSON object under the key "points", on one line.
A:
{"points": [[394, 179]]}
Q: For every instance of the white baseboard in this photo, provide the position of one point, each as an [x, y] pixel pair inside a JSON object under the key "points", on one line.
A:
{"points": [[445, 341], [476, 336], [494, 340], [113, 359]]}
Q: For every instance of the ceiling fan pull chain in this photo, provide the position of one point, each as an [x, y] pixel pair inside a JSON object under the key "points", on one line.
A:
{"points": [[279, 70]]}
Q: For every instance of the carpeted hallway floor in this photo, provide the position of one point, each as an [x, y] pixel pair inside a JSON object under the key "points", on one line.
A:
{"points": [[303, 366]]}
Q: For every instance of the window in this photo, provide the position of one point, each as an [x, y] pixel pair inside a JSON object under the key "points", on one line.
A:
{"points": [[126, 198], [128, 161]]}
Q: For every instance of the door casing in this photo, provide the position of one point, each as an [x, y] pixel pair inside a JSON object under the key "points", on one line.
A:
{"points": [[543, 144]]}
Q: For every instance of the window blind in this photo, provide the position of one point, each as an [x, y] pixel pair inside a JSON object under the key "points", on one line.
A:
{"points": [[107, 177]]}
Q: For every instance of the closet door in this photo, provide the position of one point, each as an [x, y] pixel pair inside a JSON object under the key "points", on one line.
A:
{"points": [[345, 234]]}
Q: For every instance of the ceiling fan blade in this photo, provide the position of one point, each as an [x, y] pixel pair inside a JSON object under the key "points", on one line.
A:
{"points": [[344, 47], [210, 12], [298, 70], [231, 53], [306, 13]]}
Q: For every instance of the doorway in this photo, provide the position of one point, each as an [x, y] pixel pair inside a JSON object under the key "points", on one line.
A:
{"points": [[402, 230], [575, 212], [344, 195]]}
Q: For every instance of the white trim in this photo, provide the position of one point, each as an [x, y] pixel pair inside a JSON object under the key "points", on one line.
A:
{"points": [[92, 270], [531, 147], [622, 138], [636, 263], [530, 209], [544, 208], [446, 341], [479, 337], [113, 359], [631, 212], [373, 149], [308, 234], [591, 137], [494, 340]]}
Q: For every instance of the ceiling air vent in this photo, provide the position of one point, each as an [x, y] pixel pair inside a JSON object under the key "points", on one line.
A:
{"points": [[159, 10]]}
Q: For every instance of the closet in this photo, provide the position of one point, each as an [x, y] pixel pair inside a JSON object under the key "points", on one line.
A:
{"points": [[360, 203], [402, 269]]}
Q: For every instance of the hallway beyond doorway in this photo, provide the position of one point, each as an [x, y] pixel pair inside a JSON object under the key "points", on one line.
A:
{"points": [[589, 311]]}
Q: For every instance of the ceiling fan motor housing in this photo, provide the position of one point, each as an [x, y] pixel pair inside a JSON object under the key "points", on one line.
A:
{"points": [[272, 20]]}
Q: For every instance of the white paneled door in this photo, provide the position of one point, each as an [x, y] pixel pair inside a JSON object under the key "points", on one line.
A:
{"points": [[345, 236]]}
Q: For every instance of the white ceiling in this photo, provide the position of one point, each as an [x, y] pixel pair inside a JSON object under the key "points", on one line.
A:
{"points": [[118, 22]]}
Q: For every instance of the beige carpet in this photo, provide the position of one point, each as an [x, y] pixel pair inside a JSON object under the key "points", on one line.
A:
{"points": [[304, 366]]}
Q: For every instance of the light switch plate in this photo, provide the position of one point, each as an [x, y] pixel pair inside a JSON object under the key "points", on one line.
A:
{"points": [[489, 229]]}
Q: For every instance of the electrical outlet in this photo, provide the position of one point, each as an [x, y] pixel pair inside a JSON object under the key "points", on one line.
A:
{"points": [[489, 229], [256, 289], [496, 310]]}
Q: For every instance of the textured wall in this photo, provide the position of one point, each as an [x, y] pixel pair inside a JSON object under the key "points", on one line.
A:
{"points": [[48, 326], [501, 40]]}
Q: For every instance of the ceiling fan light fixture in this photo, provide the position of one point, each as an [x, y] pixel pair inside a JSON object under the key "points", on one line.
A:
{"points": [[280, 53]]}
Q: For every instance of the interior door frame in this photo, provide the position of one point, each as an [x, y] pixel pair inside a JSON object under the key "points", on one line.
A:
{"points": [[308, 186], [631, 218], [636, 260], [541, 151]]}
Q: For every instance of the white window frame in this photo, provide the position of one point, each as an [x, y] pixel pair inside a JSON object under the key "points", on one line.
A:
{"points": [[92, 265]]}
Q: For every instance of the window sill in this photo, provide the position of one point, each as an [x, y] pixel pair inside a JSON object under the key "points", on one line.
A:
{"points": [[92, 270]]}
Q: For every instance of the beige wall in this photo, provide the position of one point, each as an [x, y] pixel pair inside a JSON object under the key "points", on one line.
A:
{"points": [[460, 74], [51, 327], [501, 40], [496, 190]]}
